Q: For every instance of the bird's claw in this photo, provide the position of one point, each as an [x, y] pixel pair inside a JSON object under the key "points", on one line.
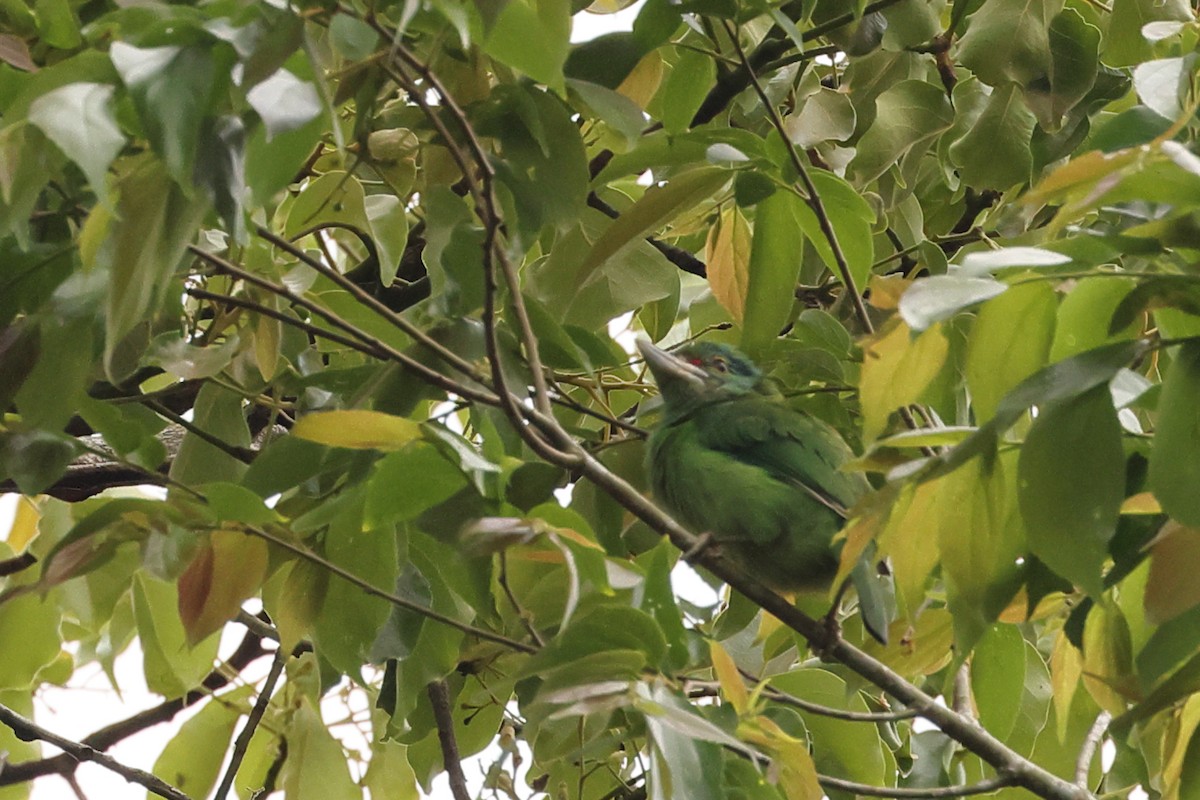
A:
{"points": [[833, 635], [703, 541]]}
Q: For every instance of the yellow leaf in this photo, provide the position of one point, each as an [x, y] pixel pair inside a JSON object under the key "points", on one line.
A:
{"points": [[919, 648], [357, 429], [642, 83], [858, 533], [797, 774], [728, 257], [905, 540], [896, 369], [1172, 587], [886, 291], [1175, 745], [732, 685], [227, 570], [1141, 503], [1108, 658], [267, 334], [1066, 669], [25, 524]]}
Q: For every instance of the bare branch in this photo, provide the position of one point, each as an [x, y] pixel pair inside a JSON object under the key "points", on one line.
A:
{"points": [[439, 698], [1087, 752], [256, 714], [28, 730]]}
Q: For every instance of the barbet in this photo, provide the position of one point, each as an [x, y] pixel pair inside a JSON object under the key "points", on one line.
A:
{"points": [[732, 460]]}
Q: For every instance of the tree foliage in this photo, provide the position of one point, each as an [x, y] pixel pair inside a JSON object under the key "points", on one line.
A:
{"points": [[353, 283]]}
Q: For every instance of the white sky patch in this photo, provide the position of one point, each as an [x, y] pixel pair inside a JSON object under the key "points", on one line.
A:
{"points": [[588, 26]]}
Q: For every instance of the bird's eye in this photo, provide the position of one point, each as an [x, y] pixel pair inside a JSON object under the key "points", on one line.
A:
{"points": [[720, 365]]}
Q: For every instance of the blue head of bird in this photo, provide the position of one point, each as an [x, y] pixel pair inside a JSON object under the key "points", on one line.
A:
{"points": [[700, 373]]}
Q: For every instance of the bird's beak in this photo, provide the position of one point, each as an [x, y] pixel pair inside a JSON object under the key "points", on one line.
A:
{"points": [[669, 369]]}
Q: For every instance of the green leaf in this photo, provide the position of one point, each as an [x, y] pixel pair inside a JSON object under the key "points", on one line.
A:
{"points": [[350, 619], [685, 89], [907, 114], [1074, 63], [409, 482], [633, 276], [1084, 316], [1164, 85], [1007, 41], [852, 219], [775, 256], [357, 429], [841, 748], [827, 115], [998, 678], [79, 119], [1124, 43], [981, 538], [171, 89], [1175, 459], [316, 767], [388, 223], [655, 208], [192, 759], [154, 221], [33, 622], [983, 261], [533, 36], [1072, 482], [1157, 292], [995, 152], [284, 103], [896, 369], [939, 297], [217, 411], [1009, 341], [171, 667]]}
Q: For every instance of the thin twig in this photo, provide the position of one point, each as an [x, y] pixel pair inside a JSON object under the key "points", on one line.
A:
{"points": [[430, 375], [396, 600], [522, 614], [866, 790], [256, 714], [28, 730], [439, 699], [1095, 735], [813, 198], [372, 302], [242, 454], [711, 688]]}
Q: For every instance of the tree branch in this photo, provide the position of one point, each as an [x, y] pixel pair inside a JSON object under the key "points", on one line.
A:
{"points": [[1091, 742], [249, 650], [252, 721], [439, 699], [27, 730], [866, 790]]}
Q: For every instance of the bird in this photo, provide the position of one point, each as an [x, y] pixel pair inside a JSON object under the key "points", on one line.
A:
{"points": [[761, 480]]}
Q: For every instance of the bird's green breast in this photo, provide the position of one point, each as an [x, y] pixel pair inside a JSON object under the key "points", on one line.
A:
{"points": [[763, 480]]}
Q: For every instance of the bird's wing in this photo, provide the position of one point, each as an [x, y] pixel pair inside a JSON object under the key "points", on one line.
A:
{"points": [[790, 446]]}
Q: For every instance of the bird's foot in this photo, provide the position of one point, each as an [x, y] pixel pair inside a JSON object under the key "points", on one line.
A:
{"points": [[833, 635], [703, 542]]}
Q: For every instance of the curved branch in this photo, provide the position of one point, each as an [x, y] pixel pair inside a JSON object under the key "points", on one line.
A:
{"points": [[866, 790], [28, 730], [249, 650], [1095, 735]]}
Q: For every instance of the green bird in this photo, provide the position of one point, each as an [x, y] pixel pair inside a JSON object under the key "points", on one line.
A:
{"points": [[731, 460]]}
